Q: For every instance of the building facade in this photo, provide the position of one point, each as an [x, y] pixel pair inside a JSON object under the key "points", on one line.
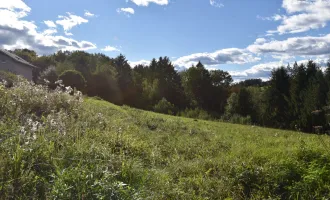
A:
{"points": [[16, 65]]}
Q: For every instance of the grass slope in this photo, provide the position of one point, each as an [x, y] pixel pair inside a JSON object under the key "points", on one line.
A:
{"points": [[181, 158], [112, 152]]}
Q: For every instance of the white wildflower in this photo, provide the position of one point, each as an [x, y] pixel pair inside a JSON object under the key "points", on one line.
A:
{"points": [[59, 82], [29, 121], [22, 130], [68, 89]]}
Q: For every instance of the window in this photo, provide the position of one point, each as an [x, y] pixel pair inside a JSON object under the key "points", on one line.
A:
{"points": [[3, 61]]}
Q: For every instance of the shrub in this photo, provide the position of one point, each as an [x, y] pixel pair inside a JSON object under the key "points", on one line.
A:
{"points": [[74, 79], [26, 98], [164, 106], [39, 129], [8, 78], [196, 113], [48, 77]]}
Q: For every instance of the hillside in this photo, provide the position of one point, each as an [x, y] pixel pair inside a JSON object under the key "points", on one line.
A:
{"points": [[55, 146]]}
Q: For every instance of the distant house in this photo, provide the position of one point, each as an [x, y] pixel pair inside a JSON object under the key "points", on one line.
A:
{"points": [[14, 64]]}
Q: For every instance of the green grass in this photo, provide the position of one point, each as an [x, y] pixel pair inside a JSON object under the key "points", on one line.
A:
{"points": [[112, 152], [194, 159]]}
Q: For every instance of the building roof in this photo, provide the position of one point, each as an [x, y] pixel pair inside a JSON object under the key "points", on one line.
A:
{"points": [[16, 58]]}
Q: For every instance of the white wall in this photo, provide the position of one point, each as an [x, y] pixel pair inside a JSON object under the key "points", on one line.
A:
{"points": [[7, 63]]}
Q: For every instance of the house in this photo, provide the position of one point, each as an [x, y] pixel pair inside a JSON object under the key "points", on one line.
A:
{"points": [[14, 64]]}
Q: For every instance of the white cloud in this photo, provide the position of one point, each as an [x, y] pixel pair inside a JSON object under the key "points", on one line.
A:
{"points": [[223, 56], [260, 41], [68, 33], [276, 17], [50, 31], [292, 6], [14, 5], [216, 3], [126, 11], [70, 21], [140, 62], [146, 2], [16, 32], [283, 58], [303, 15], [89, 14], [295, 46], [263, 70], [50, 24], [110, 48]]}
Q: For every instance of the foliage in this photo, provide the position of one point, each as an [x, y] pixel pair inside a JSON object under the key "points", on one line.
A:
{"points": [[56, 146], [163, 106], [220, 78], [7, 78], [232, 106], [196, 113], [48, 77], [286, 101], [74, 79]]}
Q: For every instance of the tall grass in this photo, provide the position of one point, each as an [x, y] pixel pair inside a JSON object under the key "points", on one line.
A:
{"points": [[59, 145]]}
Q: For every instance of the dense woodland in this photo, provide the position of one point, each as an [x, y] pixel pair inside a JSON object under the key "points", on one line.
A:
{"points": [[295, 97]]}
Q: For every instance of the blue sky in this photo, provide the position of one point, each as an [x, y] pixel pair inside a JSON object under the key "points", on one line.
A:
{"points": [[246, 38]]}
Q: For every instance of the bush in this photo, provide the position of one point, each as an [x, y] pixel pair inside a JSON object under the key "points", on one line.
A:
{"points": [[39, 130], [74, 79], [8, 78], [26, 98], [48, 77], [164, 106], [196, 113]]}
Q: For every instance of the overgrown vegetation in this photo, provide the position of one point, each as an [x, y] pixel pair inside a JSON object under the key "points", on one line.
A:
{"points": [[295, 97], [54, 145]]}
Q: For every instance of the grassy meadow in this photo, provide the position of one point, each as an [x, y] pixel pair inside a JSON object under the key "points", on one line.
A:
{"points": [[59, 145]]}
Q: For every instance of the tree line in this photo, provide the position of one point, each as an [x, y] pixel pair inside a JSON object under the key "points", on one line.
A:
{"points": [[295, 97]]}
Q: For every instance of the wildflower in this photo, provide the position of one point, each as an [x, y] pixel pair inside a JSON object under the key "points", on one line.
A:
{"points": [[53, 122], [68, 89], [46, 81], [22, 130], [59, 82], [29, 121]]}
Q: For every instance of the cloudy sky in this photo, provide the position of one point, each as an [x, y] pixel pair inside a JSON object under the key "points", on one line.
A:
{"points": [[246, 38]]}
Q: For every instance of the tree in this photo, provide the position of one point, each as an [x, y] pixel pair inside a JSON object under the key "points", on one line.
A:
{"points": [[314, 100], [103, 83], [311, 69], [244, 103], [170, 85], [232, 106], [28, 55], [124, 79], [297, 86], [73, 78], [220, 78], [198, 85], [277, 97]]}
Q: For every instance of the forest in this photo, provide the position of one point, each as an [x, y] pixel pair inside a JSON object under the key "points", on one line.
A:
{"points": [[295, 97]]}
